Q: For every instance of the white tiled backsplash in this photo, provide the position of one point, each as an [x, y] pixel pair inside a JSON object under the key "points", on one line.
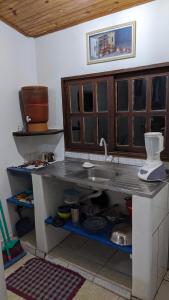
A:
{"points": [[116, 159]]}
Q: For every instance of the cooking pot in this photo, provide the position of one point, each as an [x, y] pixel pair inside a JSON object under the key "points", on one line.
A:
{"points": [[122, 234]]}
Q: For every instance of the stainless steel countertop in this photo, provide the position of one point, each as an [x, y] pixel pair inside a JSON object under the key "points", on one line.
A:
{"points": [[126, 181]]}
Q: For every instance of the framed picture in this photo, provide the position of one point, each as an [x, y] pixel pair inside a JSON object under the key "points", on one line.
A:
{"points": [[111, 43]]}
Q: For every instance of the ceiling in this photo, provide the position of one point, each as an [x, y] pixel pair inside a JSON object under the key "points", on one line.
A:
{"points": [[38, 17]]}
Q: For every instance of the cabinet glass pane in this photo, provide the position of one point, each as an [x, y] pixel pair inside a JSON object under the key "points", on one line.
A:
{"points": [[139, 129], [75, 128], [159, 92], [102, 95], [158, 124], [139, 94], [88, 97], [122, 95], [122, 131], [102, 128], [89, 129], [74, 96]]}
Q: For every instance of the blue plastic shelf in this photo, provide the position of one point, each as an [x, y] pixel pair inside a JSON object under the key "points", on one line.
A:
{"points": [[16, 202], [100, 237], [20, 170]]}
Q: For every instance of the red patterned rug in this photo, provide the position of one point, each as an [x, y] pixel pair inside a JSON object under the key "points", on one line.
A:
{"points": [[39, 279]]}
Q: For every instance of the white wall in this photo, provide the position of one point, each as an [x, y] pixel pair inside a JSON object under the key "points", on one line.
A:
{"points": [[63, 53], [17, 68]]}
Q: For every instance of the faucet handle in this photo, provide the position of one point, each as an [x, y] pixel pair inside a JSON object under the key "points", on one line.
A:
{"points": [[109, 158]]}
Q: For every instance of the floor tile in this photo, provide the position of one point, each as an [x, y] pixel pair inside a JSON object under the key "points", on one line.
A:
{"points": [[12, 296], [113, 287], [60, 252], [94, 292], [84, 263], [72, 257], [29, 238], [120, 262], [96, 252], [163, 293], [73, 242], [116, 277]]}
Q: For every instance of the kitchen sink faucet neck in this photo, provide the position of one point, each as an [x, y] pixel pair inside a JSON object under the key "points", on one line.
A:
{"points": [[103, 143]]}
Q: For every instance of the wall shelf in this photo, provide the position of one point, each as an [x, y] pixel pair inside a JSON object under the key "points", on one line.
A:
{"points": [[48, 132], [102, 238], [20, 170]]}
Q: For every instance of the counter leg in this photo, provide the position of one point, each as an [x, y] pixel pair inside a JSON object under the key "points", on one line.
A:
{"points": [[47, 196]]}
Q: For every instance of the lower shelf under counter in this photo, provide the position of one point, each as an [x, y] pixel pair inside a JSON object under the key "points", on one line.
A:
{"points": [[16, 202], [13, 200], [102, 238]]}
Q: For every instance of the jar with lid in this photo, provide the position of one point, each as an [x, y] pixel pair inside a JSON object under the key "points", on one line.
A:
{"points": [[71, 196]]}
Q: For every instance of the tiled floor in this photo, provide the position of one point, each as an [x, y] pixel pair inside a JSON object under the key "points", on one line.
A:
{"points": [[90, 290], [96, 262], [108, 264]]}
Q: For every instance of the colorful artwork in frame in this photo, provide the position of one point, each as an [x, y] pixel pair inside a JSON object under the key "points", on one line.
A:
{"points": [[111, 43]]}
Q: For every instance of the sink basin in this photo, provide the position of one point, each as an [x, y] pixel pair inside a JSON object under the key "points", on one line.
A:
{"points": [[96, 174]]}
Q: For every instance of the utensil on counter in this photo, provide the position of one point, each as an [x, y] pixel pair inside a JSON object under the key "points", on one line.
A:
{"points": [[122, 234]]}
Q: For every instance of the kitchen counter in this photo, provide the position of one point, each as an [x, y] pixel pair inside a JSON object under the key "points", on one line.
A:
{"points": [[150, 214], [125, 177]]}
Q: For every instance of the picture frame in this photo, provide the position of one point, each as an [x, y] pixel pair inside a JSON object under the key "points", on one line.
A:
{"points": [[111, 43]]}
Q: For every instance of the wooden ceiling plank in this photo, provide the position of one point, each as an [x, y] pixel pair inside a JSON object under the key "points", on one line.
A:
{"points": [[74, 16], [10, 4], [102, 10], [35, 18], [66, 6], [32, 11], [13, 26], [50, 28], [40, 6], [62, 26]]}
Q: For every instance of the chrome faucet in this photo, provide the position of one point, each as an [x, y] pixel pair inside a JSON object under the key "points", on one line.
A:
{"points": [[103, 143]]}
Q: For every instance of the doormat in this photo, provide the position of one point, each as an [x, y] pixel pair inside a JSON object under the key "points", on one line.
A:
{"points": [[39, 279]]}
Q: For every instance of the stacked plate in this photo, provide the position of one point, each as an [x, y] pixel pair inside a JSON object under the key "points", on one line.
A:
{"points": [[95, 224]]}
